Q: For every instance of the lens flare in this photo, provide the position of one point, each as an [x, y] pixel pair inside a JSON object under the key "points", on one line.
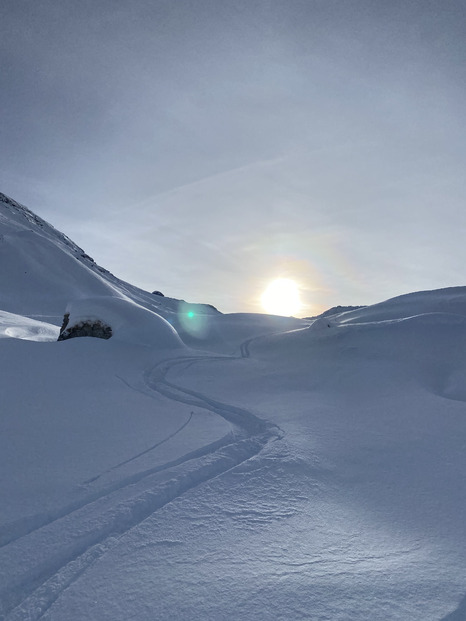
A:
{"points": [[281, 297], [192, 321]]}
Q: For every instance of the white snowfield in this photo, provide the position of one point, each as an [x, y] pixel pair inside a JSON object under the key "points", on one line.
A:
{"points": [[224, 467]]}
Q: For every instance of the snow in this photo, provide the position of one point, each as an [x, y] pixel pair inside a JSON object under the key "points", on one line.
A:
{"points": [[130, 322], [19, 327], [206, 466]]}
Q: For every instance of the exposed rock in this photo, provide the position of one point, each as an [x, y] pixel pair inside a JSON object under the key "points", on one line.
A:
{"points": [[96, 328], [86, 256], [158, 293], [66, 321]]}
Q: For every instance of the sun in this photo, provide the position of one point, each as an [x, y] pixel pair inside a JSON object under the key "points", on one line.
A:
{"points": [[281, 297]]}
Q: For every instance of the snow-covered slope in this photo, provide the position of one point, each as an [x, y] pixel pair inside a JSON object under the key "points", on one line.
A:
{"points": [[43, 272], [205, 466], [41, 268]]}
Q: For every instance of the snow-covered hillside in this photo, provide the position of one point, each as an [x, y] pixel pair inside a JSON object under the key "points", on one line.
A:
{"points": [[206, 466]]}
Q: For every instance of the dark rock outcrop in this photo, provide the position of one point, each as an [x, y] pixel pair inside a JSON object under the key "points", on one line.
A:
{"points": [[95, 328]]}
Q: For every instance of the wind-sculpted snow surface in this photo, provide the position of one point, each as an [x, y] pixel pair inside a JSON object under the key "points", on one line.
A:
{"points": [[129, 322], [19, 327], [205, 466], [358, 511], [57, 525]]}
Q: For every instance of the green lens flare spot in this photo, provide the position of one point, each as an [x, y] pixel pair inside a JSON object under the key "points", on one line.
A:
{"points": [[190, 314]]}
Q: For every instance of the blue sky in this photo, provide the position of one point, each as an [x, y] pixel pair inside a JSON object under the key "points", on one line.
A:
{"points": [[203, 148]]}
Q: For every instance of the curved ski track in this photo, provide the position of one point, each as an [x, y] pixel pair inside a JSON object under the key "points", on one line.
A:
{"points": [[66, 542]]}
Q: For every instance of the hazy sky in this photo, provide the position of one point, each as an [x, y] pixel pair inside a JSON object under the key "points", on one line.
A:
{"points": [[205, 147]]}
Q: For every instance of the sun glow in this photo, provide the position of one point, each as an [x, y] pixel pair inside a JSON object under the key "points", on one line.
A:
{"points": [[281, 297]]}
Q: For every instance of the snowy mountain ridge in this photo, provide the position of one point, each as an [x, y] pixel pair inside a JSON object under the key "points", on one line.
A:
{"points": [[198, 465], [21, 219], [43, 272]]}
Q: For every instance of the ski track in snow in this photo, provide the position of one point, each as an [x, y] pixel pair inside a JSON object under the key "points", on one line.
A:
{"points": [[148, 450], [69, 541]]}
